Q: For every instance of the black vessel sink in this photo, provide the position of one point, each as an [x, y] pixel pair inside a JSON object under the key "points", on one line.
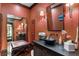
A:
{"points": [[50, 42]]}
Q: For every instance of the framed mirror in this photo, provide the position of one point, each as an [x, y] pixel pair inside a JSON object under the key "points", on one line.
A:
{"points": [[55, 17], [16, 28]]}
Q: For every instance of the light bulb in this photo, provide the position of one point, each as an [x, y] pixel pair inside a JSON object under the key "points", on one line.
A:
{"points": [[22, 24], [67, 4], [41, 13], [71, 3]]}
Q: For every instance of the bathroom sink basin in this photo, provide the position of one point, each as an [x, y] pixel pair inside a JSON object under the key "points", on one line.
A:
{"points": [[49, 42]]}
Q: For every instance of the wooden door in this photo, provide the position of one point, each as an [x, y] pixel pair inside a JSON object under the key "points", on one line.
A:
{"points": [[0, 29], [33, 30]]}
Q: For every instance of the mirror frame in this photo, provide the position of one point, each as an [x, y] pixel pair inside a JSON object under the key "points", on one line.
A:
{"points": [[20, 18], [48, 10]]}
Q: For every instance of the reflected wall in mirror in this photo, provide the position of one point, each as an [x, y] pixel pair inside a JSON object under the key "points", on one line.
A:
{"points": [[16, 28], [55, 17]]}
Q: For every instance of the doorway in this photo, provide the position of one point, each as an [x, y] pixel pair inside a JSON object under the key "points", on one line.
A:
{"points": [[16, 32]]}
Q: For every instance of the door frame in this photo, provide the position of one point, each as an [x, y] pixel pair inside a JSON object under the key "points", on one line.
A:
{"points": [[33, 22]]}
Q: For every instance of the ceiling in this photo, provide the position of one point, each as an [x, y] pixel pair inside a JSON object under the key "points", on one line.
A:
{"points": [[27, 4]]}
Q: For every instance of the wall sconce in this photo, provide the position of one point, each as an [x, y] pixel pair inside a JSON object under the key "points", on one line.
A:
{"points": [[19, 28], [41, 16], [41, 13], [64, 33], [22, 24], [69, 5]]}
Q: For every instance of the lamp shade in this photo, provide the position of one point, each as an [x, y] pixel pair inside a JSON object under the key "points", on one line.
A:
{"points": [[41, 13]]}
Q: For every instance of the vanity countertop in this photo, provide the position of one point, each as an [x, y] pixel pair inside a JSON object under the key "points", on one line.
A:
{"points": [[57, 48]]}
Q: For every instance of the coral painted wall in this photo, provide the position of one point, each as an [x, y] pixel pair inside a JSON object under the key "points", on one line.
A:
{"points": [[0, 8], [15, 9], [70, 24]]}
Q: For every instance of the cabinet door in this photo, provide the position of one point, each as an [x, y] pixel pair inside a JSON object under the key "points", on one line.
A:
{"points": [[42, 51]]}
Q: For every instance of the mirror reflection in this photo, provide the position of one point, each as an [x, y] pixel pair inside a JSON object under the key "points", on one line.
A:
{"points": [[16, 33], [55, 17], [15, 26]]}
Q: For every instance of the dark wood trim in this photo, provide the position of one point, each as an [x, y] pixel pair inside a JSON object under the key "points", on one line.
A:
{"points": [[56, 5], [23, 5], [27, 6], [33, 5], [0, 31]]}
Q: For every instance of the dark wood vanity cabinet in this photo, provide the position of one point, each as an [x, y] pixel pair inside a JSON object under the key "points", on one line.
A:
{"points": [[42, 51]]}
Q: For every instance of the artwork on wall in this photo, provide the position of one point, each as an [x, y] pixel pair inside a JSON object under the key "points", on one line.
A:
{"points": [[55, 17], [61, 17]]}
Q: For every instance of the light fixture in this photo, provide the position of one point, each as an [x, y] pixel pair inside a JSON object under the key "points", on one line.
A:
{"points": [[69, 4], [41, 13], [22, 24], [19, 27], [17, 7]]}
